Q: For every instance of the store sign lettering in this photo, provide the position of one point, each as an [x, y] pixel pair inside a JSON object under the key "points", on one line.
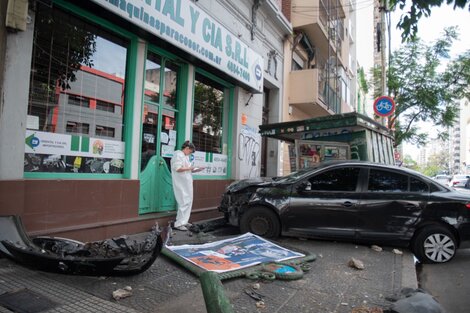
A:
{"points": [[212, 34], [185, 25]]}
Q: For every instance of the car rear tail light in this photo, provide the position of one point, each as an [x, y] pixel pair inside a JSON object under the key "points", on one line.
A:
{"points": [[455, 183], [468, 206]]}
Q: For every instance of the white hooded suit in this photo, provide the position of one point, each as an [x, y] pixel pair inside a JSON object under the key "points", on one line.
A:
{"points": [[182, 187]]}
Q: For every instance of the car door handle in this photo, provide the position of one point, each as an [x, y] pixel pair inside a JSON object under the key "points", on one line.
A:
{"points": [[348, 204]]}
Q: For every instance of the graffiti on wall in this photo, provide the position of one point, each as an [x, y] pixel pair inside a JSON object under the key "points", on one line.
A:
{"points": [[249, 149]]}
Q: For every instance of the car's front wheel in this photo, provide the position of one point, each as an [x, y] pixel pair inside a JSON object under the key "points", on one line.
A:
{"points": [[434, 244], [260, 221]]}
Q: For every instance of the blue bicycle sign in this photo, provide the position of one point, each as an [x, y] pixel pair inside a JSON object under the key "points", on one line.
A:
{"points": [[384, 106]]}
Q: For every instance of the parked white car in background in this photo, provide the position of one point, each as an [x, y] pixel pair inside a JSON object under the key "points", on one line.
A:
{"points": [[443, 179], [458, 181]]}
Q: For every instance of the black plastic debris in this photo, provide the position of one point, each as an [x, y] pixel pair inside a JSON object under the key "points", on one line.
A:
{"points": [[117, 256], [416, 301]]}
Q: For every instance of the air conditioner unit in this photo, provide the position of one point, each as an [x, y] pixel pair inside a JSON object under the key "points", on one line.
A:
{"points": [[17, 14]]}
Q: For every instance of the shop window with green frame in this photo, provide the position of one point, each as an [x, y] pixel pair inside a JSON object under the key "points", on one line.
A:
{"points": [[210, 129], [159, 121], [75, 121]]}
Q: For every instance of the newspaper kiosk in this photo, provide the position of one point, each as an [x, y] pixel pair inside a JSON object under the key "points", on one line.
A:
{"points": [[349, 136]]}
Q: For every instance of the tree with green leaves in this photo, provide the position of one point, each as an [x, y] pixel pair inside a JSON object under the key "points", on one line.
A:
{"points": [[60, 49], [363, 89], [417, 9], [362, 80], [208, 115], [209, 103], [425, 88], [437, 163], [409, 162]]}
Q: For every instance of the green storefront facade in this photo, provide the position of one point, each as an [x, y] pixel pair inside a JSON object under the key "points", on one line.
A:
{"points": [[109, 90]]}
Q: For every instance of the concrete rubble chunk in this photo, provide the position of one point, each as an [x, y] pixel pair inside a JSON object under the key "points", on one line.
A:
{"points": [[398, 252], [355, 263], [122, 293], [260, 305], [376, 248]]}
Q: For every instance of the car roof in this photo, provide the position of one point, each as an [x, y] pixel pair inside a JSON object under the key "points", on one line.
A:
{"points": [[332, 163], [325, 165], [365, 163]]}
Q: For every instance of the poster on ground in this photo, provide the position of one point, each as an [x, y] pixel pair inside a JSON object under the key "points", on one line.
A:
{"points": [[234, 253]]}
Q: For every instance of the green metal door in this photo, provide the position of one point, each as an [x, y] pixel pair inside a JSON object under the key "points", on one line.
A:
{"points": [[158, 134], [156, 192]]}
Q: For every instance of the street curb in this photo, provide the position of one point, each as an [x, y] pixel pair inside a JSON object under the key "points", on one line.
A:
{"points": [[409, 278]]}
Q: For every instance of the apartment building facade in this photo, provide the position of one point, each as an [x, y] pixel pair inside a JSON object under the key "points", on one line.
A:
{"points": [[320, 64], [459, 146]]}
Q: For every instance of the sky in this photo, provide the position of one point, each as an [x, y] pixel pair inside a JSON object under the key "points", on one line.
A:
{"points": [[429, 29]]}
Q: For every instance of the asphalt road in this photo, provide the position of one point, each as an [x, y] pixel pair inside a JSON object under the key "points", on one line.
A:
{"points": [[449, 283]]}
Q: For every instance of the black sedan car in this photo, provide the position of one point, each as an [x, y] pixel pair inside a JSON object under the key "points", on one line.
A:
{"points": [[358, 201]]}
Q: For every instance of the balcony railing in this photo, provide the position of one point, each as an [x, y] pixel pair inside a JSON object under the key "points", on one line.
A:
{"points": [[323, 14], [331, 99]]}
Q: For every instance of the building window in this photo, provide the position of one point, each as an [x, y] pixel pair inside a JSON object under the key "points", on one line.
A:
{"points": [[77, 128], [76, 84], [105, 106], [211, 132], [103, 131], [78, 101], [296, 66], [208, 115], [298, 63]]}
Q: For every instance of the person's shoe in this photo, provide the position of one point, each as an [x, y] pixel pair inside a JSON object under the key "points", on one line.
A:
{"points": [[182, 228], [188, 225]]}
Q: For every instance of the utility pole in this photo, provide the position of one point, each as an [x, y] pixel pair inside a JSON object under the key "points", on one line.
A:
{"points": [[383, 47]]}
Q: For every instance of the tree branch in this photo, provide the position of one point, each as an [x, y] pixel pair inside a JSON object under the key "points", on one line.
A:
{"points": [[411, 120]]}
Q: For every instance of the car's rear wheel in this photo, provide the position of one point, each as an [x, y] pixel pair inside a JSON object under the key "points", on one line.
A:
{"points": [[260, 221], [434, 244]]}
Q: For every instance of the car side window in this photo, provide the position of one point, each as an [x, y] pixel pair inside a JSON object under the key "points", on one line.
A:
{"points": [[341, 179], [386, 181], [434, 188], [417, 185]]}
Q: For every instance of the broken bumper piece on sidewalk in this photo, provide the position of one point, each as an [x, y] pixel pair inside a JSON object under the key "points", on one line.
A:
{"points": [[119, 256]]}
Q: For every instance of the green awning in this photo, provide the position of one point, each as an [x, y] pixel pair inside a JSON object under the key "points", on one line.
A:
{"points": [[323, 126]]}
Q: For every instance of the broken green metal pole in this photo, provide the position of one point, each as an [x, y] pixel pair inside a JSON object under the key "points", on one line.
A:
{"points": [[214, 295]]}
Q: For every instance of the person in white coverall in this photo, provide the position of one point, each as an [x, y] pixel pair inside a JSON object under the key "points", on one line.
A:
{"points": [[182, 179]]}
